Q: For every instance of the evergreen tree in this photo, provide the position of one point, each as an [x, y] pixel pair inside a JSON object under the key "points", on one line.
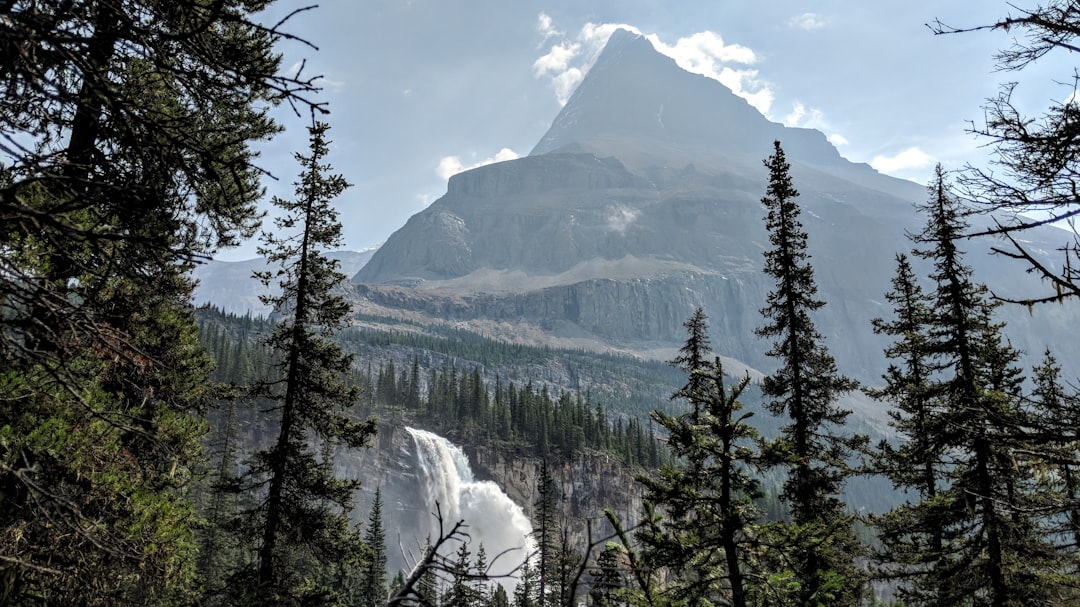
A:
{"points": [[916, 465], [608, 578], [373, 590], [128, 126], [460, 592], [527, 593], [480, 584], [1037, 170], [498, 597], [706, 499], [217, 548], [1057, 430], [805, 389], [546, 532], [303, 519], [992, 550]]}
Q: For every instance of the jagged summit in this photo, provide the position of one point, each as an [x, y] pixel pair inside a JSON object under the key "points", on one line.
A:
{"points": [[636, 102], [642, 203]]}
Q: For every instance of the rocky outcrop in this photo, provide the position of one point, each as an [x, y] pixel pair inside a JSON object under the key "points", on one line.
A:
{"points": [[642, 203], [585, 485]]}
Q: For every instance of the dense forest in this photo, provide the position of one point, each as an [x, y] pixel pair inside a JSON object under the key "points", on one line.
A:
{"points": [[458, 402], [152, 454]]}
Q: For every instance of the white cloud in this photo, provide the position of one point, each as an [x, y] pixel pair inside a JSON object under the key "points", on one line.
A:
{"points": [[327, 83], [911, 158], [837, 139], [812, 118], [452, 165], [807, 21], [620, 218], [546, 27], [566, 82], [557, 60], [705, 53], [425, 199]]}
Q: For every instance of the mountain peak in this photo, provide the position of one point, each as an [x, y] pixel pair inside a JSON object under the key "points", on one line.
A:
{"points": [[638, 105]]}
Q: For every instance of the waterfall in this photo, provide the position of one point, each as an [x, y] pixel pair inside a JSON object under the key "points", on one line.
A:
{"points": [[493, 519]]}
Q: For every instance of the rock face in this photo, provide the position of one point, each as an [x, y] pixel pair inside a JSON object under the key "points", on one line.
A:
{"points": [[585, 486], [641, 203]]}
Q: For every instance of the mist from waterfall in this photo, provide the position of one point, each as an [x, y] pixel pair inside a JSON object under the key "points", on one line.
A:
{"points": [[493, 519]]}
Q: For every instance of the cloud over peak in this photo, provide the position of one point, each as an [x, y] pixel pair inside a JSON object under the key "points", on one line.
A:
{"points": [[568, 59], [911, 158], [452, 165]]}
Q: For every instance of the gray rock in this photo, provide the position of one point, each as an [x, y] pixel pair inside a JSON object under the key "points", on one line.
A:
{"points": [[642, 202]]}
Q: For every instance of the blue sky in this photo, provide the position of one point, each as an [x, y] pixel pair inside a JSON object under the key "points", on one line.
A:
{"points": [[419, 89]]}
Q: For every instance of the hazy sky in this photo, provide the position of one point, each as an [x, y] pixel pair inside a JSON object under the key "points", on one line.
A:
{"points": [[419, 89]]}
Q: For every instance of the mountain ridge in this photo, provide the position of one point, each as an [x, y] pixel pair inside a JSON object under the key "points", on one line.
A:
{"points": [[617, 226]]}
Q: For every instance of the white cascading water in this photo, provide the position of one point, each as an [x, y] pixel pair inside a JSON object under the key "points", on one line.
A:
{"points": [[493, 519]]}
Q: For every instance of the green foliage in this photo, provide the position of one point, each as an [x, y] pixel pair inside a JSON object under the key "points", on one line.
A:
{"points": [[132, 122], [707, 497], [974, 531], [300, 522], [805, 388], [373, 590]]}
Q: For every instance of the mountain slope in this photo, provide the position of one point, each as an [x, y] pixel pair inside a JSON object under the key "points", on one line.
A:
{"points": [[642, 203], [230, 286]]}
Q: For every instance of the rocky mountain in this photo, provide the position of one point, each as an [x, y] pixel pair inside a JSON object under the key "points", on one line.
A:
{"points": [[641, 203], [411, 481], [229, 284]]}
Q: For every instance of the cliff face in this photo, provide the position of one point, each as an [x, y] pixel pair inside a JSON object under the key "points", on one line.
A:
{"points": [[584, 486], [642, 203]]}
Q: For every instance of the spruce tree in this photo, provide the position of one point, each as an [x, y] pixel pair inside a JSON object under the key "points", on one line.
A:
{"points": [[304, 517], [545, 531], [805, 388], [460, 592], [910, 542], [373, 576], [707, 498], [608, 578], [127, 129], [1057, 431], [993, 549]]}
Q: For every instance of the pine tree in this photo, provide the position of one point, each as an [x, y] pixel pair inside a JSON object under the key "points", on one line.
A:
{"points": [[545, 531], [130, 125], [805, 389], [707, 499], [1057, 430], [608, 578], [480, 584], [460, 592], [916, 464], [527, 593], [303, 518], [373, 590], [992, 548]]}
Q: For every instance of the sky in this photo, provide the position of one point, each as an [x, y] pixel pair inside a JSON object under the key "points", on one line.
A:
{"points": [[421, 89]]}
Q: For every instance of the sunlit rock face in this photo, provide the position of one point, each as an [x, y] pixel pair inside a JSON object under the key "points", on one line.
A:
{"points": [[492, 489], [641, 203]]}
